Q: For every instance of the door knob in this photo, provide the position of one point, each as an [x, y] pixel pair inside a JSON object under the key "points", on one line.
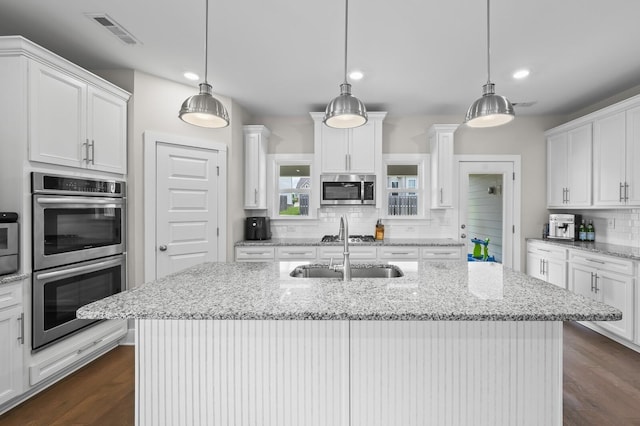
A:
{"points": [[463, 235], [162, 248]]}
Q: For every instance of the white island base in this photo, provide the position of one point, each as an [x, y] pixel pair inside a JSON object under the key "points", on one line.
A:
{"points": [[357, 373]]}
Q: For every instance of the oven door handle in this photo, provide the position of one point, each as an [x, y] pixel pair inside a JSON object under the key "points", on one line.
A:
{"points": [[77, 200], [78, 269]]}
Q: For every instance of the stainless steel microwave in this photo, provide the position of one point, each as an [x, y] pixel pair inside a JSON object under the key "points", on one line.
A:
{"points": [[347, 190]]}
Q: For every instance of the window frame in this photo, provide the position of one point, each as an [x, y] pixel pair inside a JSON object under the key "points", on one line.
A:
{"points": [[273, 188], [423, 163]]}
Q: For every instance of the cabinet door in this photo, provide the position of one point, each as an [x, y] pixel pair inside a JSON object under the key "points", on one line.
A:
{"points": [[556, 170], [107, 132], [579, 166], [11, 330], [616, 290], [57, 116], [633, 156], [609, 160], [534, 266], [441, 144], [255, 182], [362, 153], [334, 147], [581, 280], [556, 272]]}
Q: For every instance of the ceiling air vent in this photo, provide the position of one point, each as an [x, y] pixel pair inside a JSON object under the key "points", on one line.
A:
{"points": [[114, 28]]}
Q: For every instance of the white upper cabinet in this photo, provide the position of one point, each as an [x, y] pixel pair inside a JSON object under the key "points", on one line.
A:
{"points": [[569, 167], [441, 148], [616, 145], [351, 151], [73, 123], [256, 139]]}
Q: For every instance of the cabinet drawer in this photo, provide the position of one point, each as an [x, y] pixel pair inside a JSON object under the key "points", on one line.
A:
{"points": [[607, 263], [440, 253], [356, 253], [255, 254], [399, 252], [547, 250], [10, 294], [298, 252]]}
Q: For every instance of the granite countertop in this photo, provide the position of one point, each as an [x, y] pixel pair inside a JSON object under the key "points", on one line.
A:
{"points": [[626, 252], [6, 279], [428, 242], [429, 290]]}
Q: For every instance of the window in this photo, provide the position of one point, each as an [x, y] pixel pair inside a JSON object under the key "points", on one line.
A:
{"points": [[405, 190], [292, 186]]}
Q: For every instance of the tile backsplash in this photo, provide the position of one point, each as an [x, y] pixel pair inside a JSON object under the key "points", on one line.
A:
{"points": [[362, 220], [615, 226]]}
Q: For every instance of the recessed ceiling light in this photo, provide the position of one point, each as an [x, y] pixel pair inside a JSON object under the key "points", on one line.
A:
{"points": [[520, 74], [191, 76], [356, 75]]}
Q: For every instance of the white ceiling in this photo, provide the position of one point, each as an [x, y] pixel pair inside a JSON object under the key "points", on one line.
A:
{"points": [[285, 57]]}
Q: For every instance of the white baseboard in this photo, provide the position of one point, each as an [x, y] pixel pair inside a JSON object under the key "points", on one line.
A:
{"points": [[129, 339]]}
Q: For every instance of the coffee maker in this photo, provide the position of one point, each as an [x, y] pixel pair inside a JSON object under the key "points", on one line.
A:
{"points": [[564, 226], [257, 228]]}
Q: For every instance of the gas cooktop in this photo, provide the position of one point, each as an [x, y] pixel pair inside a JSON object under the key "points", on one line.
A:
{"points": [[352, 239]]}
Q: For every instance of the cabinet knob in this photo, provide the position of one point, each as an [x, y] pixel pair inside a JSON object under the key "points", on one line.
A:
{"points": [[162, 248]]}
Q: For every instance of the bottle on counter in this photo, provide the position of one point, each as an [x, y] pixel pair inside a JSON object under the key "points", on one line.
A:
{"points": [[379, 230], [582, 232], [591, 232]]}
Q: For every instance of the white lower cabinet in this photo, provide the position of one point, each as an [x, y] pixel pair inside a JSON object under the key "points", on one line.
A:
{"points": [[296, 253], [547, 262], [12, 338], [255, 254], [608, 280], [359, 253]]}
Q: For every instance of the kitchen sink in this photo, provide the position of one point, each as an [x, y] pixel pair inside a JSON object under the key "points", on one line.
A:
{"points": [[357, 271]]}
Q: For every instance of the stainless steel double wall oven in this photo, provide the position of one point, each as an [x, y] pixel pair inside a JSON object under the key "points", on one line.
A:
{"points": [[78, 250]]}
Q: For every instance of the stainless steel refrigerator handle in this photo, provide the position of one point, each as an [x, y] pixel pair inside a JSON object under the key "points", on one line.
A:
{"points": [[78, 269], [75, 200]]}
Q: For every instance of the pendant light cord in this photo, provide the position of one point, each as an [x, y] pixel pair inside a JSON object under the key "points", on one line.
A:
{"points": [[488, 46], [346, 29], [206, 39]]}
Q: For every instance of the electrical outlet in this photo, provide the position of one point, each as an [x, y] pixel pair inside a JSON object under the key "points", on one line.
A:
{"points": [[611, 223]]}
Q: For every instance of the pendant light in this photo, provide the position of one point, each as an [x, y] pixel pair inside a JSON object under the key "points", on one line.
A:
{"points": [[491, 109], [345, 111], [203, 109]]}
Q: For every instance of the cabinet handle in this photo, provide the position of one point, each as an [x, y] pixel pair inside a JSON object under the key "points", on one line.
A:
{"points": [[346, 162], [86, 151], [568, 195], [592, 274], [290, 253], [596, 286], [255, 196], [89, 346], [540, 267], [620, 197], [441, 196], [93, 152], [405, 253], [595, 261], [626, 191], [21, 328]]}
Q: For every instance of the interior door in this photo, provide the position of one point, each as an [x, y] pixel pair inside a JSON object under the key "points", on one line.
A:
{"points": [[486, 207], [186, 207]]}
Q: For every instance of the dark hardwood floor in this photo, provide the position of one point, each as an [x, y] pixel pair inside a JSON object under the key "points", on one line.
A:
{"points": [[601, 387]]}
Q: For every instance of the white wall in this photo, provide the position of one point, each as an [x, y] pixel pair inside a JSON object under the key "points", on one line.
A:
{"points": [[154, 106]]}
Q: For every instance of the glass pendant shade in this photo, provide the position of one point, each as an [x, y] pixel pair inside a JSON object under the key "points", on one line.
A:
{"points": [[204, 110], [345, 111], [490, 110]]}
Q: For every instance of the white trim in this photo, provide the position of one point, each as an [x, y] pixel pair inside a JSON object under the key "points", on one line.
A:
{"points": [[150, 140], [272, 184], [517, 191], [423, 161]]}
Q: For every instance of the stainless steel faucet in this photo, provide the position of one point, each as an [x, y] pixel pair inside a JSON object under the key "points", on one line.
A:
{"points": [[343, 235]]}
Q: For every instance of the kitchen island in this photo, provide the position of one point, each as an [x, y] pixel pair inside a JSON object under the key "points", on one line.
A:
{"points": [[447, 343]]}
